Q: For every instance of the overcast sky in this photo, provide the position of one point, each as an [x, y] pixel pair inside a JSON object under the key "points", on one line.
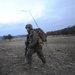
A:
{"points": [[50, 15]]}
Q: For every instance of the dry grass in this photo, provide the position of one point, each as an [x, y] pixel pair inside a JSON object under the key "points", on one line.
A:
{"points": [[59, 53]]}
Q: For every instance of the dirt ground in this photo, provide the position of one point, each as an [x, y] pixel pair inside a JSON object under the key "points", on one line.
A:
{"points": [[59, 54]]}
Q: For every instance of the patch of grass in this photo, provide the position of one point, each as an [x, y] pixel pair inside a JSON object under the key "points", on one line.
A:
{"points": [[59, 53]]}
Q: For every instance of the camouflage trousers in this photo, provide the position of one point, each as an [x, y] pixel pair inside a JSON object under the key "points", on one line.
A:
{"points": [[33, 50]]}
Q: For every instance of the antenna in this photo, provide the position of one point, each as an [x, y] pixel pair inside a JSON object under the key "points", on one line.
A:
{"points": [[32, 16]]}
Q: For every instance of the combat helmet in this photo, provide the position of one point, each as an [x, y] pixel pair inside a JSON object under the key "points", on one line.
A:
{"points": [[29, 26]]}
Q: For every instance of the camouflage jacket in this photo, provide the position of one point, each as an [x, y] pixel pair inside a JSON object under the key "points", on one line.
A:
{"points": [[33, 38]]}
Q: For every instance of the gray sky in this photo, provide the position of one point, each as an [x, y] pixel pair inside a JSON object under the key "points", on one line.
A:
{"points": [[49, 14]]}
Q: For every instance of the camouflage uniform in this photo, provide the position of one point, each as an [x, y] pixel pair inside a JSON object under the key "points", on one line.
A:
{"points": [[34, 47]]}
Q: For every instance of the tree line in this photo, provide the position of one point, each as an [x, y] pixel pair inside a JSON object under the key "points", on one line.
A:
{"points": [[65, 31], [9, 37]]}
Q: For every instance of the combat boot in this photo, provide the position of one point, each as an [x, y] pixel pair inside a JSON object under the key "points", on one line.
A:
{"points": [[44, 65], [28, 66]]}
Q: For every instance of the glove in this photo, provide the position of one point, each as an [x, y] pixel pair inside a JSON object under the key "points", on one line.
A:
{"points": [[29, 46]]}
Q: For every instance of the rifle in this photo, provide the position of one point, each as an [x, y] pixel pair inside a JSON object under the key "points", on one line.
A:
{"points": [[26, 49], [26, 44]]}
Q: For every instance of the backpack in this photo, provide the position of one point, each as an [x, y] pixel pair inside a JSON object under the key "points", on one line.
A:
{"points": [[41, 34]]}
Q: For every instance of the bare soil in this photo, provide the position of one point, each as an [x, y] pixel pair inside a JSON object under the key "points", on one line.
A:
{"points": [[59, 54]]}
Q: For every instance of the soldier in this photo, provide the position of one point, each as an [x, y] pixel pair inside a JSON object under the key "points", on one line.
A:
{"points": [[33, 46]]}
